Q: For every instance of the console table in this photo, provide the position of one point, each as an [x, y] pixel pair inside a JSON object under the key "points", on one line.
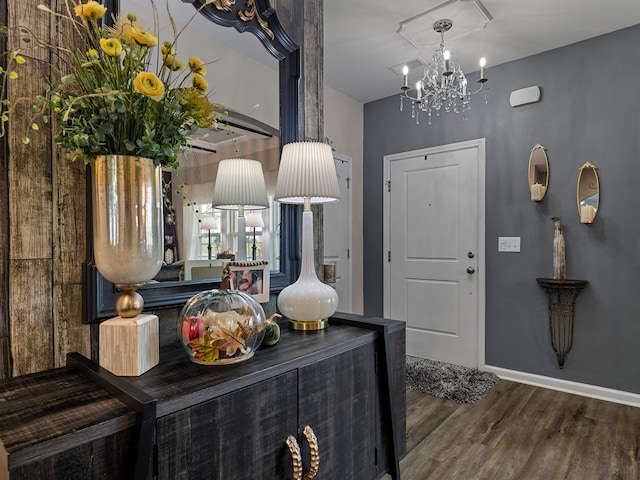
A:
{"points": [[189, 421]]}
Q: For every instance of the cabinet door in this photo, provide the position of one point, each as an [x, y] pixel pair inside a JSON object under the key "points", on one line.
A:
{"points": [[337, 399], [238, 436]]}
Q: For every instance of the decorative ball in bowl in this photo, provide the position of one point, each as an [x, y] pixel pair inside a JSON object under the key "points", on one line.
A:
{"points": [[221, 327]]}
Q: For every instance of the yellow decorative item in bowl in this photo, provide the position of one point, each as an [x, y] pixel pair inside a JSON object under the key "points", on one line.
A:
{"points": [[221, 327]]}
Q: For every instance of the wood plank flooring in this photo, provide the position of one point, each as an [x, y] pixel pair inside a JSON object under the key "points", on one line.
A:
{"points": [[520, 432]]}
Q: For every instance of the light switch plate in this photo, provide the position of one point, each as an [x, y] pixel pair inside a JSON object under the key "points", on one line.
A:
{"points": [[508, 244]]}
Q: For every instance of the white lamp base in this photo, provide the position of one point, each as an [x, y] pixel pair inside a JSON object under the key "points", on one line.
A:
{"points": [[308, 303], [129, 346]]}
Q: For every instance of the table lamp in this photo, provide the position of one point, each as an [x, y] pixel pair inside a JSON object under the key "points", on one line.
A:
{"points": [[254, 220], [307, 174], [209, 223], [239, 186]]}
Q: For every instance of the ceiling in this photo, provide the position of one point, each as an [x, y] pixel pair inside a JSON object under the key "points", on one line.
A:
{"points": [[361, 39]]}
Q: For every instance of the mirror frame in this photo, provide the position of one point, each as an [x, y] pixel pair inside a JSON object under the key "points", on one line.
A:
{"points": [[593, 168], [260, 19], [530, 169]]}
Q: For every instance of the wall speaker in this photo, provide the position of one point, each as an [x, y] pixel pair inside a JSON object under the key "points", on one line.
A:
{"points": [[524, 96]]}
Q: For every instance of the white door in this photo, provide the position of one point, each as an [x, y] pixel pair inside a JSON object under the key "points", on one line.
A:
{"points": [[337, 234], [434, 227]]}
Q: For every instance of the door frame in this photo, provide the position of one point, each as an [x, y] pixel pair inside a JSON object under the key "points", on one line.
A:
{"points": [[349, 161], [479, 144]]}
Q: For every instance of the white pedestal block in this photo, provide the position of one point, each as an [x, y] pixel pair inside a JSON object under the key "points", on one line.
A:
{"points": [[129, 346]]}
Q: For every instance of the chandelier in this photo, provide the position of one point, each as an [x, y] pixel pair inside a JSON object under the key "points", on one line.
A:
{"points": [[443, 85]]}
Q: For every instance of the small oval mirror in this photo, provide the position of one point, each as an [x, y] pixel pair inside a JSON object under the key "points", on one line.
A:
{"points": [[588, 193], [538, 173]]}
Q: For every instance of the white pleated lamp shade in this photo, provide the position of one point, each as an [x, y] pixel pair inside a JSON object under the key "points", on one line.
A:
{"points": [[254, 220], [208, 223], [240, 183], [307, 170]]}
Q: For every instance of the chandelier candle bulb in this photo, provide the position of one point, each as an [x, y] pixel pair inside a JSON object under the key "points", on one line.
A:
{"points": [[447, 66], [405, 73], [483, 62]]}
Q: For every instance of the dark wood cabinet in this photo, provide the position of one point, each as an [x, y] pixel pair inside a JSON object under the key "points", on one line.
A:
{"points": [[232, 422]]}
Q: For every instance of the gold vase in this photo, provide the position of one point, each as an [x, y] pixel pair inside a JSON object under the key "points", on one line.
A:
{"points": [[127, 225]]}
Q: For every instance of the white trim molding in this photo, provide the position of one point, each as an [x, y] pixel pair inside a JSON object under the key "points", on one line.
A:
{"points": [[583, 389]]}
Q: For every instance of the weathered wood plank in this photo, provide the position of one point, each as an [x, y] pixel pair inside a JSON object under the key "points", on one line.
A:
{"points": [[30, 311], [70, 334]]}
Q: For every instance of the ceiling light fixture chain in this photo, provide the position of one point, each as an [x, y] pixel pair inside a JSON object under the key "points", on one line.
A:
{"points": [[444, 85]]}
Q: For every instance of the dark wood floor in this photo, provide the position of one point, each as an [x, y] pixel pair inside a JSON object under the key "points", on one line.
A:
{"points": [[521, 432]]}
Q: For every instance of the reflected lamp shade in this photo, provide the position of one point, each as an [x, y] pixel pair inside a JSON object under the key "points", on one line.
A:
{"points": [[254, 220], [239, 186], [208, 223], [307, 175]]}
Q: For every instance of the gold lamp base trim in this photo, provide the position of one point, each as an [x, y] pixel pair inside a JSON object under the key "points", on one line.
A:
{"points": [[308, 324]]}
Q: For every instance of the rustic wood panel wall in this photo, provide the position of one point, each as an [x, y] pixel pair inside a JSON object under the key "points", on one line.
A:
{"points": [[46, 224]]}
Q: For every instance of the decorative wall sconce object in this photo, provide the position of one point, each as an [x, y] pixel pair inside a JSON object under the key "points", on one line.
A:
{"points": [[559, 268], [443, 85], [209, 223], [538, 173], [562, 298], [239, 186], [307, 175], [588, 193], [254, 220]]}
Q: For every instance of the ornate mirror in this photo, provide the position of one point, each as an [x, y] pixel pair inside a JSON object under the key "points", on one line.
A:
{"points": [[588, 193], [538, 173], [257, 17]]}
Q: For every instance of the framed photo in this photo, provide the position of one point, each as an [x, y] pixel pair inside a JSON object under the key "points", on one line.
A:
{"points": [[251, 278]]}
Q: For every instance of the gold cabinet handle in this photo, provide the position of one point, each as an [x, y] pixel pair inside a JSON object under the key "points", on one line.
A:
{"points": [[315, 453], [296, 456]]}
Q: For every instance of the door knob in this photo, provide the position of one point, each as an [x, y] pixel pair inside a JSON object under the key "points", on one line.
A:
{"points": [[470, 254], [471, 270]]}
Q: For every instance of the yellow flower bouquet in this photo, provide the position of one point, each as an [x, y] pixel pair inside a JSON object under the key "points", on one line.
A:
{"points": [[123, 92]]}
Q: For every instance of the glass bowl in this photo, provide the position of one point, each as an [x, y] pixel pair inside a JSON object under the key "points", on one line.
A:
{"points": [[221, 327]]}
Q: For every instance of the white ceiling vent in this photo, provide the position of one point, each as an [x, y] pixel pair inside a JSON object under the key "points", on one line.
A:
{"points": [[412, 64], [467, 15]]}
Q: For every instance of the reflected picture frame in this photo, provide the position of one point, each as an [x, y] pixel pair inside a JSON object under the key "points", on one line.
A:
{"points": [[250, 277]]}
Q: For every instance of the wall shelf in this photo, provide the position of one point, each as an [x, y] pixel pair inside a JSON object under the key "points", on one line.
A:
{"points": [[562, 298]]}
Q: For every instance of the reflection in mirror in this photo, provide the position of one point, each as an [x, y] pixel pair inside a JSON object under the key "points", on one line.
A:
{"points": [[588, 193], [234, 63], [538, 173], [196, 231]]}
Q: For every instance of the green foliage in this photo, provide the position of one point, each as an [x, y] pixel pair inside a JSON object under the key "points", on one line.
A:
{"points": [[122, 93]]}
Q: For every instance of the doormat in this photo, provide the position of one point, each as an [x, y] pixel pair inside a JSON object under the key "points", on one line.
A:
{"points": [[443, 380]]}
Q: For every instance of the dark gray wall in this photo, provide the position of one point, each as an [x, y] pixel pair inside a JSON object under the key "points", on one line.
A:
{"points": [[590, 110]]}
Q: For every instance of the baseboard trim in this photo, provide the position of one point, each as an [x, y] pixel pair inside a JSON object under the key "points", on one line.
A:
{"points": [[586, 390]]}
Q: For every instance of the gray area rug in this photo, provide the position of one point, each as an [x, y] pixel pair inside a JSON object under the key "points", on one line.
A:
{"points": [[443, 380]]}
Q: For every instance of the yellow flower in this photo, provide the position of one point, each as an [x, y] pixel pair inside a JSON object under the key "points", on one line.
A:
{"points": [[197, 66], [199, 83], [167, 49], [92, 54], [148, 84], [142, 38], [173, 63], [91, 10], [111, 46]]}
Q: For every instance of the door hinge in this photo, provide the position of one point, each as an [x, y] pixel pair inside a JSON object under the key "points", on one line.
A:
{"points": [[389, 256], [375, 456], [388, 185], [348, 253], [348, 183]]}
